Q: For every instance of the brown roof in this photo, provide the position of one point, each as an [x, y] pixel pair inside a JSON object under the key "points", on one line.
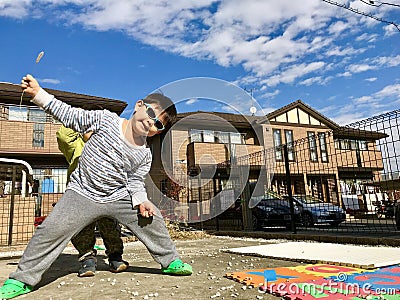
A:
{"points": [[354, 133], [12, 93], [245, 121], [236, 120]]}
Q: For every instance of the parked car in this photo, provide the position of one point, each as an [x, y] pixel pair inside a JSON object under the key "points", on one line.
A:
{"points": [[315, 211], [384, 208], [271, 210], [397, 213]]}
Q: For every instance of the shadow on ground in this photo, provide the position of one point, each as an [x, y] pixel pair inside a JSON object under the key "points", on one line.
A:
{"points": [[67, 264]]}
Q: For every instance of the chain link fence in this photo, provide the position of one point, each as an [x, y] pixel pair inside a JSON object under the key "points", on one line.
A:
{"points": [[344, 180]]}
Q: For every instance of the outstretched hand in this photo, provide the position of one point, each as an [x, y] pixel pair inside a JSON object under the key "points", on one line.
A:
{"points": [[147, 209], [30, 85]]}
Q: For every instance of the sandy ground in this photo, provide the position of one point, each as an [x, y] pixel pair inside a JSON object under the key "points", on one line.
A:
{"points": [[143, 279]]}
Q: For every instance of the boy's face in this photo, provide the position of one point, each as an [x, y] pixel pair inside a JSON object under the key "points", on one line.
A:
{"points": [[143, 124]]}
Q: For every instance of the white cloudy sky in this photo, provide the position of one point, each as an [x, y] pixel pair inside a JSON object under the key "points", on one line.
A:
{"points": [[345, 65]]}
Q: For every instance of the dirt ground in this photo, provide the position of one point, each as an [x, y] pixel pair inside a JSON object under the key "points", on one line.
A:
{"points": [[143, 279]]}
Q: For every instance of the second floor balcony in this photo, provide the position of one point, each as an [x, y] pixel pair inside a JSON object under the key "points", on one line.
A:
{"points": [[25, 137]]}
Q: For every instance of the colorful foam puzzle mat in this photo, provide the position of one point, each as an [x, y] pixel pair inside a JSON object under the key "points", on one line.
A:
{"points": [[358, 256], [323, 282]]}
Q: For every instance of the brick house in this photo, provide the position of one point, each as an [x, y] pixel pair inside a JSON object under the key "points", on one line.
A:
{"points": [[326, 160]]}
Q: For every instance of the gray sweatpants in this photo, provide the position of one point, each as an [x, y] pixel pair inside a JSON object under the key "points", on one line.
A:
{"points": [[72, 213]]}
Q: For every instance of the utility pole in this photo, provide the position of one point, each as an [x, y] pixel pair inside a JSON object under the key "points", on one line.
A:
{"points": [[253, 109]]}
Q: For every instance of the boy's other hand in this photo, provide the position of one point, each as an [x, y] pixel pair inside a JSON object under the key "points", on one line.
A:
{"points": [[147, 209], [30, 85]]}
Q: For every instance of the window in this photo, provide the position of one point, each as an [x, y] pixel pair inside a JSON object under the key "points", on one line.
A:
{"points": [[343, 144], [18, 113], [312, 145], [289, 143], [277, 144], [4, 112], [39, 117], [322, 147], [222, 137], [208, 136], [236, 138], [362, 145], [195, 135], [38, 135]]}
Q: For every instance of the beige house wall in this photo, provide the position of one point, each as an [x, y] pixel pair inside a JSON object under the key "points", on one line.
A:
{"points": [[17, 136]]}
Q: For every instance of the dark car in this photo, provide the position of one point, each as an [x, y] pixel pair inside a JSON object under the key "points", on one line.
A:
{"points": [[315, 211], [397, 213], [269, 210]]}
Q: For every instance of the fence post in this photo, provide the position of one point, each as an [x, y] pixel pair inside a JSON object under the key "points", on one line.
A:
{"points": [[11, 223], [246, 211], [289, 187]]}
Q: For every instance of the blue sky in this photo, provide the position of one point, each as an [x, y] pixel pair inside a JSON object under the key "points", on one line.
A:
{"points": [[343, 64]]}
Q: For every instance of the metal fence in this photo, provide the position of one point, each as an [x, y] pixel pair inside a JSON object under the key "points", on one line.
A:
{"points": [[343, 180], [25, 200], [17, 209]]}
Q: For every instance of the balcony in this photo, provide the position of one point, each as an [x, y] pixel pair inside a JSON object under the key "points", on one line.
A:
{"points": [[200, 153], [25, 137]]}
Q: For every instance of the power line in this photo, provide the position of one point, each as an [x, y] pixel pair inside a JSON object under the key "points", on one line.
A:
{"points": [[354, 10], [372, 3]]}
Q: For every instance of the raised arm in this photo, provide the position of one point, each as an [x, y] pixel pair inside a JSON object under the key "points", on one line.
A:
{"points": [[79, 120]]}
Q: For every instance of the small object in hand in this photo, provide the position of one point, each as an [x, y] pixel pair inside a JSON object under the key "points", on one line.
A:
{"points": [[39, 57]]}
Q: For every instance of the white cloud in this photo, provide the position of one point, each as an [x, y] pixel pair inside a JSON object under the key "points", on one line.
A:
{"points": [[375, 63], [389, 61], [191, 101], [239, 32], [358, 68], [365, 106], [348, 118], [14, 9], [50, 80], [270, 94], [337, 27], [345, 74], [371, 79], [369, 105], [389, 91], [296, 71], [340, 51], [370, 38], [390, 30], [276, 42], [319, 80]]}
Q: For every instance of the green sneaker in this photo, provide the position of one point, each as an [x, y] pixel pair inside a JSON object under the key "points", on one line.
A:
{"points": [[13, 288], [177, 267]]}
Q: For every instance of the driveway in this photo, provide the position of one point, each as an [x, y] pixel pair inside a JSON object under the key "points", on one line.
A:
{"points": [[143, 279]]}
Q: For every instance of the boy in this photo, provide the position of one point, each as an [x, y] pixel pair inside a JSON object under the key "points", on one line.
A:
{"points": [[108, 182], [71, 144]]}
